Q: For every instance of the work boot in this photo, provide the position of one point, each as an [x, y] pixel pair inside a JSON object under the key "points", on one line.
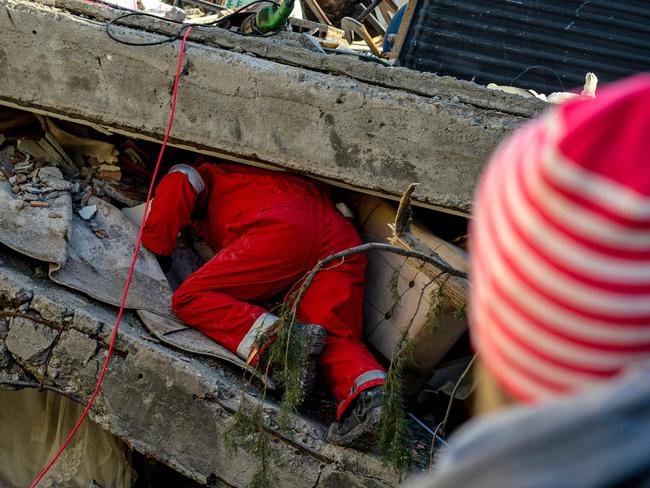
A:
{"points": [[359, 426], [311, 338]]}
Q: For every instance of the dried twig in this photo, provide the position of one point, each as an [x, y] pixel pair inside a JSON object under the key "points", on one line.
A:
{"points": [[393, 434], [442, 425], [12, 313], [432, 258]]}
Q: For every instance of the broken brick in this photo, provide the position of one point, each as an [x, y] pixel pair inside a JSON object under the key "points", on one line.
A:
{"points": [[109, 172]]}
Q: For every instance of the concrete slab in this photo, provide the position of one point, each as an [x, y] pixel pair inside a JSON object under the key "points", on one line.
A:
{"points": [[165, 404], [261, 101]]}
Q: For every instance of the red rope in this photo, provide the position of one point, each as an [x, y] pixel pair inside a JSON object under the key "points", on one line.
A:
{"points": [[130, 275]]}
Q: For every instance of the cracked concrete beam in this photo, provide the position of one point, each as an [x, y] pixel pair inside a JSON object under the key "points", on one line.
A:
{"points": [[289, 49], [163, 403], [369, 127]]}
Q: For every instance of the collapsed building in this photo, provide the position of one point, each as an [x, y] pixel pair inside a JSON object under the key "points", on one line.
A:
{"points": [[366, 129]]}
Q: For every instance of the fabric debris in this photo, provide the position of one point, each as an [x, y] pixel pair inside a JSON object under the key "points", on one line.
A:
{"points": [[589, 91], [395, 286], [33, 426], [98, 267]]}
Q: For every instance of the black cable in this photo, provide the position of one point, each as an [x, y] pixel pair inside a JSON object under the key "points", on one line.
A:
{"points": [[184, 26], [144, 14], [526, 70]]}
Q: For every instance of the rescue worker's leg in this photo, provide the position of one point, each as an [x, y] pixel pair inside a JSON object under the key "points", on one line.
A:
{"points": [[335, 301], [218, 299]]}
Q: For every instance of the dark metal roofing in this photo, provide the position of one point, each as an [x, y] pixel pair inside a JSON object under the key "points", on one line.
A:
{"points": [[496, 41]]}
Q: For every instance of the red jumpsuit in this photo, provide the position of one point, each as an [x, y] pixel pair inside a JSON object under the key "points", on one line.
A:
{"points": [[268, 229]]}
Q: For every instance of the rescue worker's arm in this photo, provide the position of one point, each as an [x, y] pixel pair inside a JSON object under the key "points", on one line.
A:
{"points": [[171, 210]]}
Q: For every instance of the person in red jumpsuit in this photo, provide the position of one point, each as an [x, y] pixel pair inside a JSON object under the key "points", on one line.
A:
{"points": [[268, 229]]}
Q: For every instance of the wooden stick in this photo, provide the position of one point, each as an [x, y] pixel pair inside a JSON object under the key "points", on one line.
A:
{"points": [[404, 215], [318, 12], [11, 313], [433, 258]]}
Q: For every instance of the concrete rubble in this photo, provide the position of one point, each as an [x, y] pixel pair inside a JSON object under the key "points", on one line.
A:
{"points": [[184, 403], [171, 405], [269, 102], [22, 220], [353, 123]]}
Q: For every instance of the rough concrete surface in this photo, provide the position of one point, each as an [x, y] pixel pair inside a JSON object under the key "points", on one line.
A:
{"points": [[163, 403], [21, 226], [349, 122]]}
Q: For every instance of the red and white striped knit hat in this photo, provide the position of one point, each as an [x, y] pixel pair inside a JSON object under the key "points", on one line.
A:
{"points": [[560, 295]]}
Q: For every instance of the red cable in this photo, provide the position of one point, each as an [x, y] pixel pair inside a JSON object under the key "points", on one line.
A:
{"points": [[130, 275]]}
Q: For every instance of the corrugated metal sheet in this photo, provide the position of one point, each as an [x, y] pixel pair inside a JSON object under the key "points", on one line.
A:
{"points": [[496, 41]]}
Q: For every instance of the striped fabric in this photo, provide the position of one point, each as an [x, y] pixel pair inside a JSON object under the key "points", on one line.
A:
{"points": [[560, 247]]}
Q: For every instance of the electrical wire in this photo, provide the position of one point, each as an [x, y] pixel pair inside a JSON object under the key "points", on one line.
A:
{"points": [[131, 270], [179, 33], [429, 431], [173, 38], [183, 32], [540, 67]]}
